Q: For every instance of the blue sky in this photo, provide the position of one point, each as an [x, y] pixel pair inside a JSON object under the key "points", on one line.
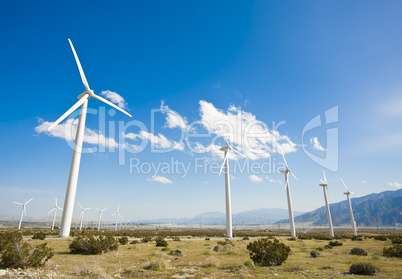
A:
{"points": [[268, 61]]}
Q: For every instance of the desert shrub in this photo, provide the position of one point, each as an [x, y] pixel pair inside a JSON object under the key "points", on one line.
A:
{"points": [[159, 264], [226, 242], [393, 251], [364, 268], [176, 238], [9, 238], [123, 240], [265, 252], [319, 248], [39, 235], [134, 242], [397, 240], [89, 245], [160, 242], [249, 264], [328, 247], [165, 249], [292, 238], [207, 238], [357, 238], [380, 237], [218, 248], [245, 237], [146, 239], [335, 243], [358, 252], [176, 253], [314, 254], [19, 254]]}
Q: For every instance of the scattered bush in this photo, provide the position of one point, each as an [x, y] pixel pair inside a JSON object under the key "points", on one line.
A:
{"points": [[314, 254], [335, 243], [328, 247], [357, 238], [207, 238], [39, 235], [226, 242], [265, 252], [319, 248], [146, 239], [165, 249], [218, 248], [364, 268], [397, 240], [245, 237], [358, 252], [176, 253], [89, 245], [160, 242], [19, 254], [176, 238], [123, 240], [393, 251], [380, 237], [134, 242], [249, 264], [292, 238]]}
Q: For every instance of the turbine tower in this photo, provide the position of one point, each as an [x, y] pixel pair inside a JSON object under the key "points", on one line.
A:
{"points": [[117, 214], [290, 208], [55, 213], [324, 186], [23, 211], [82, 214], [225, 164], [347, 193], [100, 216], [76, 158]]}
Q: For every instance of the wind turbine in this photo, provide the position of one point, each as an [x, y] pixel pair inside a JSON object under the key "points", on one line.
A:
{"points": [[100, 216], [55, 213], [324, 186], [225, 164], [117, 214], [76, 158], [82, 214], [347, 193], [23, 211], [290, 208]]}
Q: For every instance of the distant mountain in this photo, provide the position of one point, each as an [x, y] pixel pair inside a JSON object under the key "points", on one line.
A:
{"points": [[379, 209], [263, 216]]}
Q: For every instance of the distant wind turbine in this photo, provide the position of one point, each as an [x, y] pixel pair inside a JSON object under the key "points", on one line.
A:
{"points": [[76, 158], [100, 216], [324, 186], [225, 164], [290, 208], [23, 211], [55, 213], [352, 218], [82, 214], [117, 214]]}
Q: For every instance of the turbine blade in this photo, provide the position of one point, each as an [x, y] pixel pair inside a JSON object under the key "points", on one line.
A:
{"points": [[110, 104], [120, 215], [18, 203], [60, 208], [284, 160], [224, 160], [80, 206], [97, 209], [28, 201], [325, 178], [67, 113], [83, 78], [227, 143], [104, 209], [293, 175], [344, 184], [51, 210], [56, 201], [239, 153], [322, 181]]}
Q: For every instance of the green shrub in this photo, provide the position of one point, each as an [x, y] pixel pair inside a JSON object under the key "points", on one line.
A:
{"points": [[176, 238], [165, 249], [176, 253], [146, 239], [89, 245], [393, 251], [314, 254], [207, 238], [226, 242], [397, 240], [265, 252], [380, 237], [134, 242], [8, 238], [358, 252], [160, 242], [246, 237], [123, 240], [19, 254], [335, 243], [328, 247], [319, 248], [364, 268], [39, 235], [357, 238]]}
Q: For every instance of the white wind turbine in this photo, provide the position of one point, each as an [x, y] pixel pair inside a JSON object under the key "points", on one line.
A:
{"points": [[347, 193], [55, 213], [290, 208], [76, 158], [100, 216], [324, 186], [82, 214], [23, 211], [117, 214], [225, 164]]}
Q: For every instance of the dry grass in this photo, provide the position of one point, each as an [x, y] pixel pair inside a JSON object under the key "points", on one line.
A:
{"points": [[148, 261]]}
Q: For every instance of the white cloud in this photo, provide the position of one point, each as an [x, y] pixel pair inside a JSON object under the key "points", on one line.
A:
{"points": [[364, 181], [316, 144], [273, 180], [395, 185], [115, 98], [248, 134], [68, 129], [256, 179], [159, 141], [160, 179], [173, 119]]}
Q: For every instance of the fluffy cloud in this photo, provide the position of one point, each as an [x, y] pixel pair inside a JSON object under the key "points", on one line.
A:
{"points": [[159, 141], [395, 184], [68, 129], [160, 179], [256, 179], [115, 98], [316, 144], [249, 135], [173, 119]]}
